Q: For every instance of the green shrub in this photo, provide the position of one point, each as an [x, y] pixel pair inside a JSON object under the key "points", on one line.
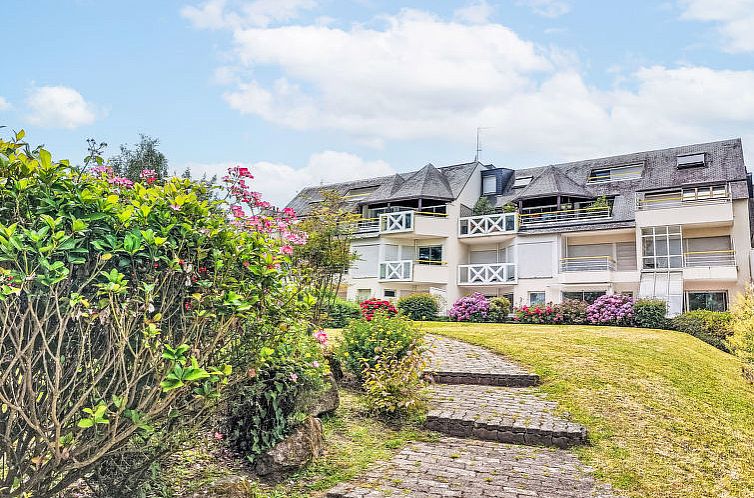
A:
{"points": [[574, 311], [340, 312], [500, 308], [651, 313], [394, 384], [418, 306], [365, 341], [712, 327]]}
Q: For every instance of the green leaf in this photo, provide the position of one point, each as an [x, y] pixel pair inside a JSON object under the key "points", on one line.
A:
{"points": [[85, 423]]}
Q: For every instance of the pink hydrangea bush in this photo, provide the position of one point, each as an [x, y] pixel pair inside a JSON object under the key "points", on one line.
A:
{"points": [[473, 308], [613, 309]]}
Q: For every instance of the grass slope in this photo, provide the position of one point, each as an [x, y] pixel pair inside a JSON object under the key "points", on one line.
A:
{"points": [[668, 415]]}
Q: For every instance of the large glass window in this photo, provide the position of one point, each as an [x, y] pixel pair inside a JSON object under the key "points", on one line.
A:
{"points": [[489, 184], [662, 247], [429, 255], [588, 296], [707, 300]]}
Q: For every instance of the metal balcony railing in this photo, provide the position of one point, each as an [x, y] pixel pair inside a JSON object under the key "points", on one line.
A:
{"points": [[587, 263], [396, 271], [686, 197], [565, 215], [709, 258], [487, 274], [488, 224]]}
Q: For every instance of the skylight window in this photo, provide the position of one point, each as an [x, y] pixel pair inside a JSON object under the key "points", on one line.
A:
{"points": [[616, 173], [691, 160], [522, 181]]}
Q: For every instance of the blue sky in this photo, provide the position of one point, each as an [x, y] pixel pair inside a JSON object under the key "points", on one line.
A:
{"points": [[324, 90]]}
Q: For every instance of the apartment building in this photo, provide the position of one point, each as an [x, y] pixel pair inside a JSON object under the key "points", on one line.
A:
{"points": [[672, 224]]}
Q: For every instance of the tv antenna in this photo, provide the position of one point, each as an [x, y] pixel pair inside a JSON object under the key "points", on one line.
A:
{"points": [[479, 141]]}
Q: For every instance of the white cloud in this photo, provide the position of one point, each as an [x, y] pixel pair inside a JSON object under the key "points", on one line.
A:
{"points": [[476, 13], [4, 104], [217, 14], [735, 20], [278, 183], [387, 83], [547, 8], [59, 107]]}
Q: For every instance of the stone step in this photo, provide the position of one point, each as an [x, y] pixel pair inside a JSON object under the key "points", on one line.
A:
{"points": [[506, 415], [455, 362], [463, 468]]}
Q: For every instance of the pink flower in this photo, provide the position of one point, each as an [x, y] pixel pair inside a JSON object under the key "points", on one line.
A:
{"points": [[286, 249], [321, 336], [315, 364], [218, 436], [175, 207], [294, 377]]}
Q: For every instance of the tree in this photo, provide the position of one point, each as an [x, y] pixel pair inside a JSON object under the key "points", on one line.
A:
{"points": [[143, 156], [483, 206], [327, 255]]}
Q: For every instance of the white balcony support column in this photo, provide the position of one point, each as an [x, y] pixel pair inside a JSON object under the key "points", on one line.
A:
{"points": [[489, 224], [396, 271], [487, 274]]}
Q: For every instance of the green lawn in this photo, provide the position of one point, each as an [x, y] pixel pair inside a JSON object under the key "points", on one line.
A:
{"points": [[668, 415]]}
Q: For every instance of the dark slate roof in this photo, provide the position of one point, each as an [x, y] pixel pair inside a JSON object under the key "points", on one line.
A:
{"points": [[552, 180], [445, 183], [724, 163]]}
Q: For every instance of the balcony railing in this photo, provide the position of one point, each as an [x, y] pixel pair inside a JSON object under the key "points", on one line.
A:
{"points": [[709, 258], [489, 224], [587, 263], [565, 215], [403, 221], [487, 274], [688, 197], [397, 271]]}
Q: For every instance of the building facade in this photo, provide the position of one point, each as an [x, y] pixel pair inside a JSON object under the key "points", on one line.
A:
{"points": [[673, 224]]}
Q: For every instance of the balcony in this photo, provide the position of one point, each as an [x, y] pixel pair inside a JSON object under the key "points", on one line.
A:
{"points": [[710, 265], [417, 272], [491, 227], [697, 206], [563, 216], [414, 224], [593, 269], [487, 274]]}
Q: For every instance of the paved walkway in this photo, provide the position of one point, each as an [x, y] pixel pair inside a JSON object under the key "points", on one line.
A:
{"points": [[511, 442]]}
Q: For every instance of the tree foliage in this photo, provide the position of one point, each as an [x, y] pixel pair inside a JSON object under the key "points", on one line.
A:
{"points": [[145, 155]]}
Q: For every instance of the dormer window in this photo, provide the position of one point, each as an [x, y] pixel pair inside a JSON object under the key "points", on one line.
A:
{"points": [[522, 181], [359, 192], [489, 185], [616, 173], [691, 160]]}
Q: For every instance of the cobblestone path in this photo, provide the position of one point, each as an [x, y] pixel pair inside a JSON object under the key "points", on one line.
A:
{"points": [[506, 438]]}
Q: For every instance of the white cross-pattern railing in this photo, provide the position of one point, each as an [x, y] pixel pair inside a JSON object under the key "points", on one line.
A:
{"points": [[487, 274], [402, 221], [397, 270], [489, 224]]}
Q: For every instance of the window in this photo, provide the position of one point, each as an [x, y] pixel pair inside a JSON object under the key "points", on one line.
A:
{"points": [[713, 301], [588, 296], [429, 255], [363, 294], [661, 247], [359, 192], [489, 184], [691, 160], [522, 181], [536, 298], [616, 173], [390, 293]]}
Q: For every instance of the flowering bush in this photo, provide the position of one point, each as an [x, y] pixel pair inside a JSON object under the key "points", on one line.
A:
{"points": [[473, 308], [150, 302], [539, 313], [613, 309], [374, 305], [574, 311]]}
